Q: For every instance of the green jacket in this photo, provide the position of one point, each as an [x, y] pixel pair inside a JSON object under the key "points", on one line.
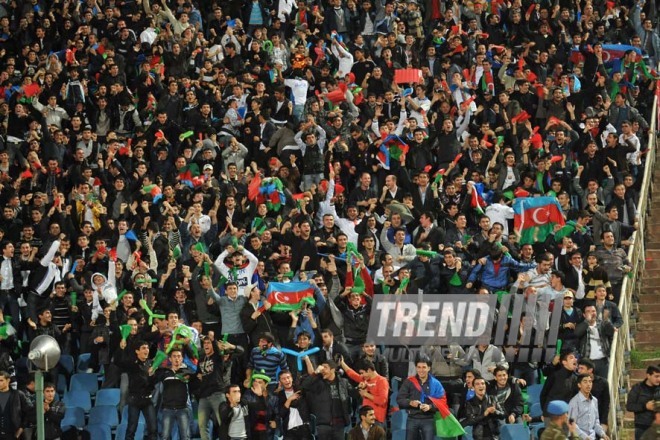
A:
{"points": [[555, 432]]}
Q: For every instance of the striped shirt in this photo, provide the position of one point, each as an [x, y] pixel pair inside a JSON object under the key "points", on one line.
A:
{"points": [[270, 361]]}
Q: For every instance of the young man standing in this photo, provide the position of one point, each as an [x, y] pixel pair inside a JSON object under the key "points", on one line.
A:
{"points": [[642, 398], [234, 416], [415, 396], [583, 408], [141, 383], [373, 388], [14, 407], [293, 409], [175, 396]]}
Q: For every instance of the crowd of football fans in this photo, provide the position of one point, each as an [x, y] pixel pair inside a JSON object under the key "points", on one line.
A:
{"points": [[162, 162]]}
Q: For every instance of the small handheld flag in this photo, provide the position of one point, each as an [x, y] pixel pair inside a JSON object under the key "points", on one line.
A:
{"points": [[152, 315], [158, 359], [186, 135], [125, 331]]}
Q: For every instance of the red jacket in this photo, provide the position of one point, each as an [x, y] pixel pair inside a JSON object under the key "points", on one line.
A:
{"points": [[379, 388]]}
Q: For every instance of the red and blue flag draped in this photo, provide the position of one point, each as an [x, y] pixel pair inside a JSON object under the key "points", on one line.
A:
{"points": [[446, 425]]}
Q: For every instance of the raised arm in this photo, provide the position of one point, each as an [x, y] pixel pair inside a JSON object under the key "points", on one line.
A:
{"points": [[54, 247]]}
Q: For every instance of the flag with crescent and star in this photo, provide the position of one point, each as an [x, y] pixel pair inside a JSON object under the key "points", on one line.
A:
{"points": [[285, 297], [535, 218]]}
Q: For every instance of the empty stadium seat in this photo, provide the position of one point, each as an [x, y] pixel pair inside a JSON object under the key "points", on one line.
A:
{"points": [[86, 382], [78, 398], [104, 414], [108, 396]]}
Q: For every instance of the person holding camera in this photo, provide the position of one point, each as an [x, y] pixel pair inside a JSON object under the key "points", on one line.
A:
{"points": [[483, 412]]}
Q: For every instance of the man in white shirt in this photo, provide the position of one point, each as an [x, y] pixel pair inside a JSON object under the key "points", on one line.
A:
{"points": [[299, 90], [9, 283], [499, 212]]}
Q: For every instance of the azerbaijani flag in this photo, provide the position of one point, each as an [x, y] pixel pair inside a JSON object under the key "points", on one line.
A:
{"points": [[392, 147], [477, 199], [611, 52], [154, 190], [189, 175], [286, 297], [446, 425], [570, 227], [535, 218], [253, 187]]}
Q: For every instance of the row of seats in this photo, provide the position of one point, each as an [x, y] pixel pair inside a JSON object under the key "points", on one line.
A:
{"points": [[83, 399]]}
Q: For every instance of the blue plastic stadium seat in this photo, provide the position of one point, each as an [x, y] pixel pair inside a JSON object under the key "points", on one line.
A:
{"points": [[74, 416], [108, 396], [516, 431], [105, 414], [534, 394], [83, 362], [398, 420], [86, 382], [535, 410], [79, 398]]}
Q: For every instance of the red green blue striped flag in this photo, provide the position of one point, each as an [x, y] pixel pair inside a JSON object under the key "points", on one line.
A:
{"points": [[535, 218], [285, 297]]}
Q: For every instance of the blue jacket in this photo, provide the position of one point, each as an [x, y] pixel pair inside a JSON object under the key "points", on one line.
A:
{"points": [[486, 273]]}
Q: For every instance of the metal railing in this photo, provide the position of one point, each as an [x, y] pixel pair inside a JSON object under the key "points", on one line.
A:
{"points": [[636, 254]]}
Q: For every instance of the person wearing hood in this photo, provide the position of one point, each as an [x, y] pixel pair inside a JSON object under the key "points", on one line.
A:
{"points": [[104, 290]]}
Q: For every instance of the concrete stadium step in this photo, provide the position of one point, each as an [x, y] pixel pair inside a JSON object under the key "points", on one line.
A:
{"points": [[649, 317], [649, 362], [649, 297], [647, 336], [649, 308]]}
